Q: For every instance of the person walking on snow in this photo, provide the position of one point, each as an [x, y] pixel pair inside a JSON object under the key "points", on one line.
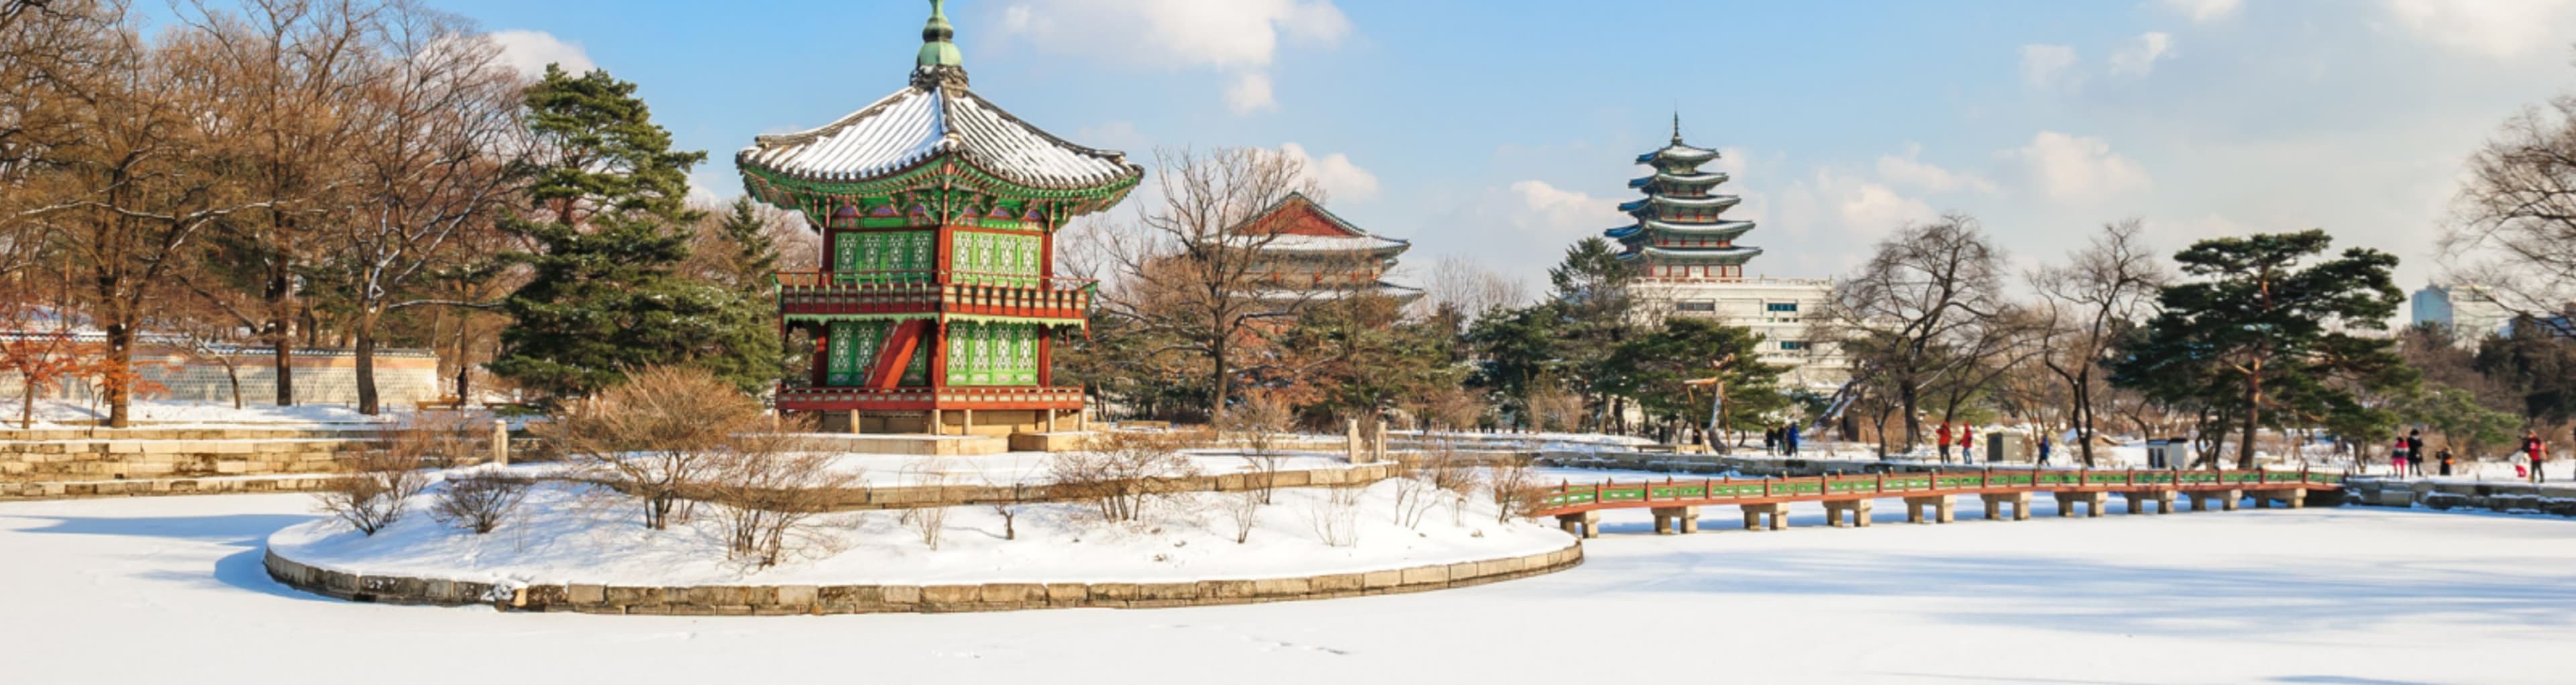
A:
{"points": [[1789, 438], [2043, 449], [2536, 452], [2444, 457], [1967, 444], [2397, 456], [1944, 435], [1770, 439], [2415, 452]]}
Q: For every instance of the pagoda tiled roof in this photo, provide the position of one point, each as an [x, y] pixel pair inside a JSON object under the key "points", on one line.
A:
{"points": [[1722, 230], [1716, 202], [1720, 255], [928, 119], [1679, 153], [1703, 178]]}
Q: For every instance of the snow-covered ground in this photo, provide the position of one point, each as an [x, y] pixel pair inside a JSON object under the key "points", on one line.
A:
{"points": [[1021, 468], [171, 590], [569, 533], [163, 413]]}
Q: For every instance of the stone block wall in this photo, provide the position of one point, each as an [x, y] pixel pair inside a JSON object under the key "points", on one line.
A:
{"points": [[776, 600], [2503, 496]]}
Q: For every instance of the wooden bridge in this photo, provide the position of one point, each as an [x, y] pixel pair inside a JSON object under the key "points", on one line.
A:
{"points": [[1675, 503]]}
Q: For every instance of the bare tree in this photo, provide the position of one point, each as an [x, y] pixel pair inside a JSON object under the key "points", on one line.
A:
{"points": [[2085, 304], [1122, 473], [2515, 217], [1471, 289], [377, 488], [1190, 268], [432, 164], [1925, 290]]}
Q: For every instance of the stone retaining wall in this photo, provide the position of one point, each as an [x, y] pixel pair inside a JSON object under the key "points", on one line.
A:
{"points": [[2505, 496], [12, 490], [776, 600]]}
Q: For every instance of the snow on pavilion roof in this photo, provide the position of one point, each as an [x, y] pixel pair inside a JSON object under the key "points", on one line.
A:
{"points": [[927, 120]]}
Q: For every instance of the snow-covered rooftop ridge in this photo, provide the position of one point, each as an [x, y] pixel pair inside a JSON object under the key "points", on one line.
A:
{"points": [[1331, 243], [917, 123]]}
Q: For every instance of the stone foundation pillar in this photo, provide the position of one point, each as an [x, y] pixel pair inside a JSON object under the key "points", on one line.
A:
{"points": [[1778, 511], [1351, 444], [1586, 524], [937, 427], [1666, 517], [1940, 505], [2020, 502], [2093, 503], [1859, 509], [2137, 501], [501, 443]]}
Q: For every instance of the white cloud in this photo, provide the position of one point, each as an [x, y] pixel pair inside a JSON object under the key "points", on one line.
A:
{"points": [[2077, 169], [1908, 169], [2203, 11], [1118, 135], [2499, 29], [1558, 212], [2139, 58], [2043, 66], [1241, 37], [1341, 180], [1250, 93], [530, 51]]}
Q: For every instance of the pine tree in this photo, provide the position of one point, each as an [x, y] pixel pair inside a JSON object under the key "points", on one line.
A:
{"points": [[607, 294], [2261, 333]]}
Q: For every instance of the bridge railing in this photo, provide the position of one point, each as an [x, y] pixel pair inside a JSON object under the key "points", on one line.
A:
{"points": [[1722, 490]]}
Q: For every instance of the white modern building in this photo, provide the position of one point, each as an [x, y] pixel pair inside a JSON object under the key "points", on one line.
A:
{"points": [[1689, 265], [2467, 310]]}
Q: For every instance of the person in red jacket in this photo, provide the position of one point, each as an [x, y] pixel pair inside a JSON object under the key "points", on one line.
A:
{"points": [[2397, 456], [1967, 444], [2537, 452], [1943, 435]]}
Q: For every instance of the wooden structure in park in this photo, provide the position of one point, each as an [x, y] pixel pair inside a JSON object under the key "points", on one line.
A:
{"points": [[1765, 502], [936, 300]]}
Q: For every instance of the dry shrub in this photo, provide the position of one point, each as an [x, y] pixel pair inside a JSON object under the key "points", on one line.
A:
{"points": [[1553, 408], [1259, 424], [1508, 481], [1336, 518], [1453, 477], [478, 503], [927, 522], [1122, 473], [376, 489], [1456, 409], [768, 491], [446, 439], [1243, 509], [658, 434]]}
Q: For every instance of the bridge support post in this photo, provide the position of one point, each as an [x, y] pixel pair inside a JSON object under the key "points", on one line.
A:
{"points": [[1942, 511], [2293, 498], [1586, 524], [1666, 518], [2093, 502], [2020, 502], [1859, 509], [1778, 511]]}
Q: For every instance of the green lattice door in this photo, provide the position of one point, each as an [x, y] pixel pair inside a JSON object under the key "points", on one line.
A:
{"points": [[995, 258], [853, 349], [878, 256], [992, 354]]}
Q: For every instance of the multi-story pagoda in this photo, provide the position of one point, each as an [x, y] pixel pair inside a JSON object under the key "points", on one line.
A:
{"points": [[1679, 233], [936, 295]]}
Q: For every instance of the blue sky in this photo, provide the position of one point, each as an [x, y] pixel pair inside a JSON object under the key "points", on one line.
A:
{"points": [[1499, 131]]}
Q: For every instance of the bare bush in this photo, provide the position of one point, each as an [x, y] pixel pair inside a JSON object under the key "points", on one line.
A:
{"points": [[1122, 473], [927, 522], [376, 489], [447, 439], [478, 503], [1507, 482], [1336, 518], [1259, 424], [1413, 496], [768, 492], [1457, 409], [1553, 408], [1009, 506], [1243, 509], [660, 433], [1453, 477]]}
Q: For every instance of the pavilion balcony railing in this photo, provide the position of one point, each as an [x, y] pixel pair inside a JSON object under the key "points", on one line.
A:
{"points": [[825, 292], [951, 396]]}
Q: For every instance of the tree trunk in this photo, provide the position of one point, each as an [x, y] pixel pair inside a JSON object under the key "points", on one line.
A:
{"points": [[1905, 395], [2253, 418], [366, 365], [120, 385], [2084, 415], [27, 414], [232, 376], [1216, 384]]}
